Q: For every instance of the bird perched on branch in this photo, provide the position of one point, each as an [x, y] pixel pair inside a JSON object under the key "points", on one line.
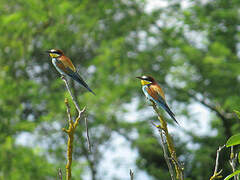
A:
{"points": [[154, 92], [65, 67]]}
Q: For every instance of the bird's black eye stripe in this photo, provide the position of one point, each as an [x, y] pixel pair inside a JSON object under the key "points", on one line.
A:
{"points": [[56, 52], [147, 78]]}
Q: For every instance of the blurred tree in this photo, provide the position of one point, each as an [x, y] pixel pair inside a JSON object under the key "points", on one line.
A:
{"points": [[192, 51], [95, 34], [200, 45]]}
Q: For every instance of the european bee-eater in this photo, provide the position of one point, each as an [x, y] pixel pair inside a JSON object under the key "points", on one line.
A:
{"points": [[65, 66], [154, 92]]}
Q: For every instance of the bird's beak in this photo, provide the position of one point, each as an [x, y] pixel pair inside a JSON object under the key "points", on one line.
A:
{"points": [[139, 77], [48, 51]]}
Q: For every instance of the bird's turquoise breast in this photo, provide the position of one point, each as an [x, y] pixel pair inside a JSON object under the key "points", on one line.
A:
{"points": [[144, 88], [55, 62]]}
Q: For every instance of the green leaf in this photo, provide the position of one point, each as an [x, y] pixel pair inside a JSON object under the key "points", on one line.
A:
{"points": [[239, 157], [231, 175], [234, 140], [237, 113]]}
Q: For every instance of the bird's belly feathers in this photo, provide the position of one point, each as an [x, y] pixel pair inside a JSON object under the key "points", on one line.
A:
{"points": [[55, 61]]}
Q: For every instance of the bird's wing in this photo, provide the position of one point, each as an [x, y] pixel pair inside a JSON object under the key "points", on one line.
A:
{"points": [[67, 63], [159, 90], [68, 70], [61, 67], [73, 74], [157, 94]]}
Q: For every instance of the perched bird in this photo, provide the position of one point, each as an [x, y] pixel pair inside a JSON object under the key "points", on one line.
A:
{"points": [[65, 66], [155, 93]]}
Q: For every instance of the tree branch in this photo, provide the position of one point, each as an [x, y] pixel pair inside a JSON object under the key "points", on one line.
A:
{"points": [[171, 148], [88, 139], [225, 117], [211, 107], [73, 97], [60, 174], [165, 151], [232, 161], [131, 174], [71, 129], [216, 174]]}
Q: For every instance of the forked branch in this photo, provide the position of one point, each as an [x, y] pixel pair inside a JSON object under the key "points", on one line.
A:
{"points": [[71, 129]]}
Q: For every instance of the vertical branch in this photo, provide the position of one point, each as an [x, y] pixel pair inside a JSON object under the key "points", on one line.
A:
{"points": [[60, 174], [170, 145], [71, 129], [131, 174], [170, 168], [232, 162], [216, 174], [73, 97], [88, 139]]}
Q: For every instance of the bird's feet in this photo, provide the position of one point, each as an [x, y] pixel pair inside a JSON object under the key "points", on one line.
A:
{"points": [[62, 77]]}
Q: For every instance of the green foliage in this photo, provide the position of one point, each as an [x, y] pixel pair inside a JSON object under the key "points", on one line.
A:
{"points": [[192, 52], [95, 34], [231, 175], [233, 140], [238, 157], [19, 162], [237, 113]]}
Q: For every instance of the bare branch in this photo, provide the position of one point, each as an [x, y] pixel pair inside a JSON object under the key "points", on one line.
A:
{"points": [[71, 129], [68, 112], [170, 145], [216, 174], [88, 139], [73, 97], [224, 116], [60, 174], [232, 161], [170, 168], [131, 174]]}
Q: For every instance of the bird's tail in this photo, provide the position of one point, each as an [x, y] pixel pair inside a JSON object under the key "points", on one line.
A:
{"points": [[171, 114], [78, 78]]}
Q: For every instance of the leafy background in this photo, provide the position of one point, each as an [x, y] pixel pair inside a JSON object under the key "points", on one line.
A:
{"points": [[190, 47]]}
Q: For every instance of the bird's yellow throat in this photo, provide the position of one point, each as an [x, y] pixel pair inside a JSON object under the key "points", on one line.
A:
{"points": [[54, 55], [143, 82]]}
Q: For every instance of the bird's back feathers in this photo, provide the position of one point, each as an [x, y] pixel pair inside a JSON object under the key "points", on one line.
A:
{"points": [[155, 91], [67, 62], [65, 67]]}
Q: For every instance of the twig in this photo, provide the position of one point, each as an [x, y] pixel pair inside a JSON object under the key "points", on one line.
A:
{"points": [[217, 174], [131, 174], [88, 139], [170, 145], [71, 128], [60, 174], [232, 162], [68, 112], [165, 151], [73, 97]]}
